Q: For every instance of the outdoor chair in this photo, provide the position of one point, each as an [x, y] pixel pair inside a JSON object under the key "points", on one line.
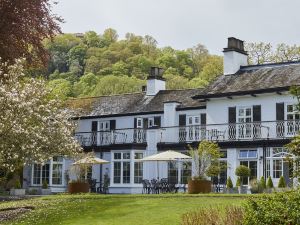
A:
{"points": [[155, 186], [146, 186], [92, 183]]}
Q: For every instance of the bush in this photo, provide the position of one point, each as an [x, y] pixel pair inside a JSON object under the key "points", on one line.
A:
{"points": [[242, 171], [45, 184], [262, 182], [232, 215], [18, 184], [229, 183], [270, 183], [254, 186], [238, 182], [281, 183], [278, 208]]}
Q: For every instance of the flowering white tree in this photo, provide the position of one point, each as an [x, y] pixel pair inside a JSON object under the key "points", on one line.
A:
{"points": [[33, 125]]}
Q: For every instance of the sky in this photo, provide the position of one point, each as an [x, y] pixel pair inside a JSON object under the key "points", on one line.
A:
{"points": [[185, 23]]}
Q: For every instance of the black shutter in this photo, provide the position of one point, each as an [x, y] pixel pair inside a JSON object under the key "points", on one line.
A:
{"points": [[256, 113], [203, 118], [280, 111], [112, 124], [145, 123], [232, 115], [94, 133], [232, 119], [182, 120], [135, 123], [94, 126], [157, 121]]}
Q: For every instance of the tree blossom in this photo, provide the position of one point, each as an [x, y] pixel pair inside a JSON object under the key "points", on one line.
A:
{"points": [[33, 123]]}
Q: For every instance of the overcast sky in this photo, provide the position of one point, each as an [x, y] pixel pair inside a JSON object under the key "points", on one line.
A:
{"points": [[184, 23]]}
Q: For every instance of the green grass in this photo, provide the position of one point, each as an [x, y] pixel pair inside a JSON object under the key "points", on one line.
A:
{"points": [[116, 209]]}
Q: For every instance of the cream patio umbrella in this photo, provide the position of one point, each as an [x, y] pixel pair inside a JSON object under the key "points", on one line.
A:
{"points": [[90, 160], [166, 156]]}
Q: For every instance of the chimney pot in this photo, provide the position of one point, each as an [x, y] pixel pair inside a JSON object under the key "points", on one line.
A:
{"points": [[235, 56], [155, 81]]}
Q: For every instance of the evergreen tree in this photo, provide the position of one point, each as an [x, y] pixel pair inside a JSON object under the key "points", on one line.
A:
{"points": [[270, 183], [229, 183], [281, 183]]}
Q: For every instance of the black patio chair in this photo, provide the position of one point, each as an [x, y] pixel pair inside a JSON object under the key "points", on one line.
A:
{"points": [[92, 183], [146, 186], [155, 186]]}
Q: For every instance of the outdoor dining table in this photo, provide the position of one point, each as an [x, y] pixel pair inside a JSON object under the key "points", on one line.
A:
{"points": [[159, 186]]}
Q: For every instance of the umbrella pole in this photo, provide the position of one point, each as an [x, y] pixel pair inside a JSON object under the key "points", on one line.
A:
{"points": [[157, 164]]}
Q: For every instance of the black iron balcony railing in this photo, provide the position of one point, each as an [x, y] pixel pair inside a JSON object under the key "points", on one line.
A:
{"points": [[231, 132], [187, 134], [118, 136]]}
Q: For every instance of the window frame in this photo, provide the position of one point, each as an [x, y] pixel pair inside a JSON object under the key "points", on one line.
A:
{"points": [[51, 162]]}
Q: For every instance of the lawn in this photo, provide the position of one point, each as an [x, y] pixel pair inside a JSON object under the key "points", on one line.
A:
{"points": [[115, 209]]}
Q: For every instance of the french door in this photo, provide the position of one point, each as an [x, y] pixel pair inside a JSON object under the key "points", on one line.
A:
{"points": [[105, 134], [193, 128], [244, 122]]}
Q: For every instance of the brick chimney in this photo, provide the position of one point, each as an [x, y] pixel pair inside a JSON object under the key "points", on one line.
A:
{"points": [[155, 81], [235, 56]]}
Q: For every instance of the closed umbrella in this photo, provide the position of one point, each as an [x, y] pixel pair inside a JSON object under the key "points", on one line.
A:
{"points": [[166, 156]]}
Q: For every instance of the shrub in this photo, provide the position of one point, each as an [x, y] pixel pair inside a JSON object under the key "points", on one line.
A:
{"points": [[45, 184], [242, 171], [270, 183], [238, 182], [281, 183], [278, 208], [232, 215], [229, 183], [262, 182], [18, 184], [254, 186]]}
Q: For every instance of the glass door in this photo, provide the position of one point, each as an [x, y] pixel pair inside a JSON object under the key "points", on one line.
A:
{"points": [[244, 122], [193, 123], [105, 135]]}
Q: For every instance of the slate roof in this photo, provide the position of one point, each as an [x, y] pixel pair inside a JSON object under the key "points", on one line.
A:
{"points": [[255, 79], [135, 103]]}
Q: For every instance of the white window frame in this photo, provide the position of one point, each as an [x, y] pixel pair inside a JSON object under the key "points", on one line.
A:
{"points": [[132, 160], [151, 122], [194, 118], [104, 125], [271, 157], [247, 157], [139, 123], [138, 161], [50, 162]]}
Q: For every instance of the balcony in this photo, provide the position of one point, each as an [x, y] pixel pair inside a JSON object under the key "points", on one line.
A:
{"points": [[113, 137], [231, 132]]}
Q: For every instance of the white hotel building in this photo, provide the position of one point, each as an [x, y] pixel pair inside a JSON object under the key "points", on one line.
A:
{"points": [[248, 111]]}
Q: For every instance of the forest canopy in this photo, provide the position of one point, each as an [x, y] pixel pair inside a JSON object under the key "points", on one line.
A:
{"points": [[92, 64]]}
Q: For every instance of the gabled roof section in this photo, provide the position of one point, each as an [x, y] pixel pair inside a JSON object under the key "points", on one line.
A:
{"points": [[257, 79], [135, 103]]}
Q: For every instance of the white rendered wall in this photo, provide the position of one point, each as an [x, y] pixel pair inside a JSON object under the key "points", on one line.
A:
{"points": [[232, 161], [217, 109], [233, 61], [154, 86]]}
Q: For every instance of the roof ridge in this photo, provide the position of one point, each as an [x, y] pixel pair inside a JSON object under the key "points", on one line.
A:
{"points": [[99, 96], [271, 64]]}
